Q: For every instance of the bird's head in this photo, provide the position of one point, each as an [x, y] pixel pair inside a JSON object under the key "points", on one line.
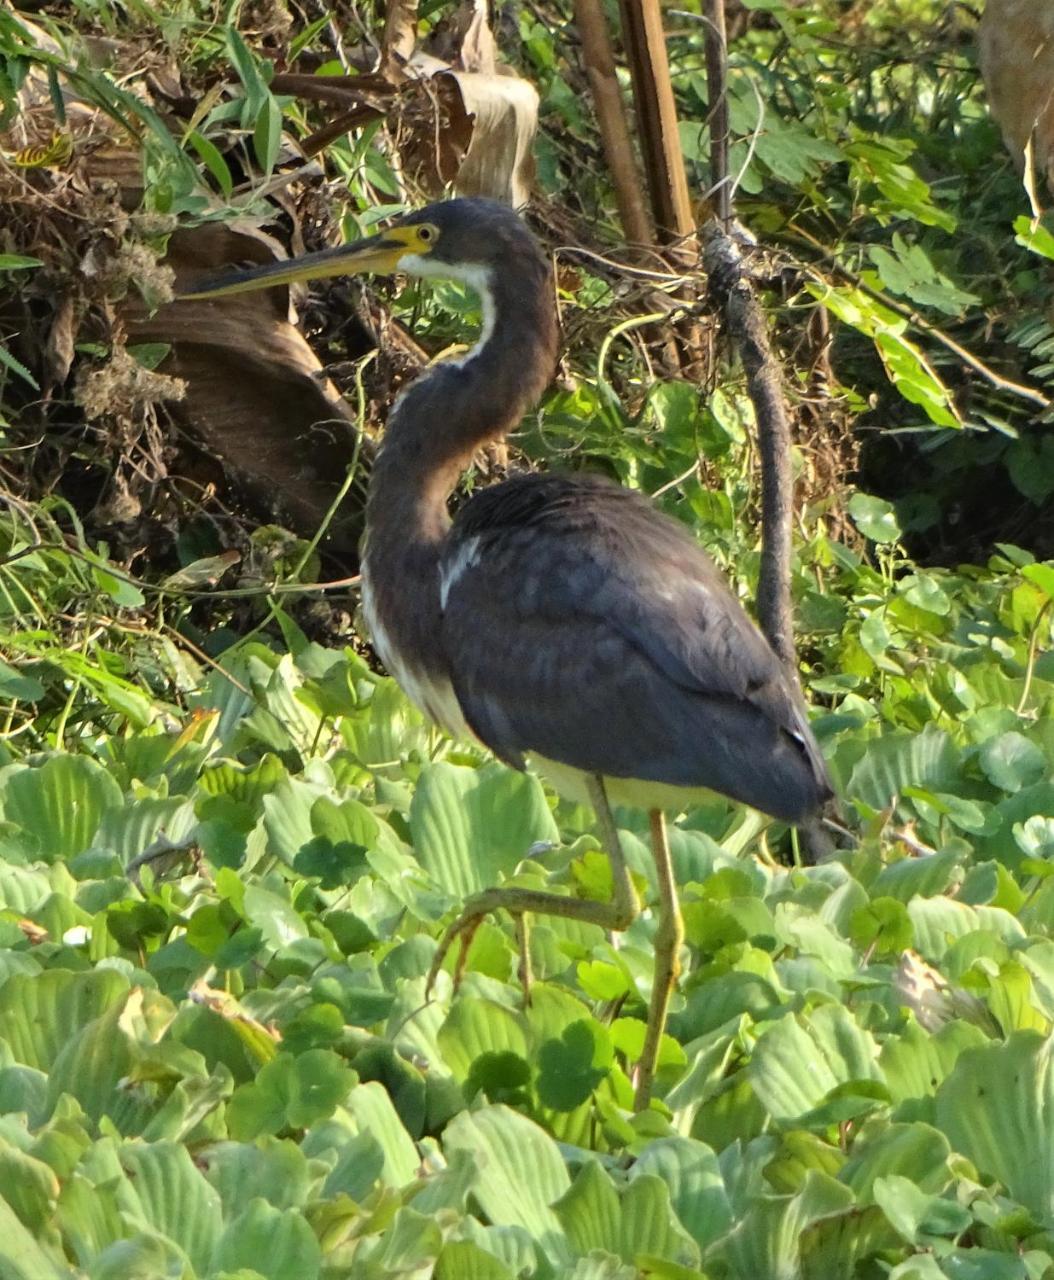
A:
{"points": [[465, 239]]}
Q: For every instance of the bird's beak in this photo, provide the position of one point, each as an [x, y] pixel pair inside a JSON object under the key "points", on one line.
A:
{"points": [[380, 253]]}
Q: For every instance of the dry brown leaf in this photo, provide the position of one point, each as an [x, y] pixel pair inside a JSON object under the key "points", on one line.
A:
{"points": [[503, 115], [256, 393], [1017, 60]]}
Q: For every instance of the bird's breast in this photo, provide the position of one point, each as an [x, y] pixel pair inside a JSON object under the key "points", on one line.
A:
{"points": [[423, 682]]}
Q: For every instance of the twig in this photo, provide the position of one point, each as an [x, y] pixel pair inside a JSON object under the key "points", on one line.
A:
{"points": [[717, 93]]}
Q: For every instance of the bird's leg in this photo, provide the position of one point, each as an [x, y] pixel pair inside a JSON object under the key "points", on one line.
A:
{"points": [[618, 914], [668, 939]]}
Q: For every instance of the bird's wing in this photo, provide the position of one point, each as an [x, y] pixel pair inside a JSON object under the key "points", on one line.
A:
{"points": [[582, 625]]}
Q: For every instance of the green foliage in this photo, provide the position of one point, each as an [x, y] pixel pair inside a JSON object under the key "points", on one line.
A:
{"points": [[225, 863]]}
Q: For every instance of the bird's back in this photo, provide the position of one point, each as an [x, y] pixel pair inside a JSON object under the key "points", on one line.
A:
{"points": [[582, 625]]}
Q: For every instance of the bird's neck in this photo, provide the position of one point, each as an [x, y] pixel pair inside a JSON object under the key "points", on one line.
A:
{"points": [[449, 412]]}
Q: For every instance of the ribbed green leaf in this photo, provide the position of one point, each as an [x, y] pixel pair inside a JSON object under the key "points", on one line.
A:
{"points": [[277, 1243], [472, 826], [174, 1198], [373, 1112], [799, 1060], [463, 1260], [766, 1242], [21, 1256], [40, 1014], [521, 1172], [997, 1107], [475, 1026], [928, 759], [692, 1175], [62, 802]]}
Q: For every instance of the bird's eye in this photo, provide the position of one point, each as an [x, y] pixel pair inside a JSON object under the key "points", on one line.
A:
{"points": [[425, 234]]}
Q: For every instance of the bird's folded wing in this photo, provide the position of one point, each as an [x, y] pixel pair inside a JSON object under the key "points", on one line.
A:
{"points": [[587, 628]]}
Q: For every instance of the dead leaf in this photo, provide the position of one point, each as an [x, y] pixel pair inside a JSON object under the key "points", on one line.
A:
{"points": [[256, 392], [202, 573], [58, 354], [502, 111]]}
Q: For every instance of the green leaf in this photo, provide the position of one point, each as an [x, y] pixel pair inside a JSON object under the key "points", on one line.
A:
{"points": [[1042, 575], [293, 1090], [692, 1175], [1011, 762], [471, 827], [174, 1197], [874, 517], [267, 134], [798, 1061], [916, 1062], [22, 1257], [62, 802], [8, 361], [17, 262], [883, 926], [917, 1216], [475, 1027], [40, 1013], [213, 161], [900, 760], [13, 684], [1034, 236], [569, 1069], [523, 1174], [275, 1243], [997, 1107]]}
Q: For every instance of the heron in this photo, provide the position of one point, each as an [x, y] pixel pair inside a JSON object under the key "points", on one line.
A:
{"points": [[560, 619]]}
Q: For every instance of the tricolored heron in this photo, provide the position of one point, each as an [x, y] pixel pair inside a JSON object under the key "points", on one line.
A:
{"points": [[559, 618]]}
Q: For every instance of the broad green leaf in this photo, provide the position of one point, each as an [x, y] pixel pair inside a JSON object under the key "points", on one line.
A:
{"points": [[799, 1060], [372, 1111], [691, 1173], [916, 1062], [521, 1173], [174, 1198], [474, 1027], [997, 1107], [917, 1215], [272, 1169], [463, 1260], [1011, 762], [570, 1068], [276, 1243], [874, 517], [471, 827], [62, 802], [22, 1256], [15, 684], [912, 1150], [766, 1241], [899, 760], [40, 1014]]}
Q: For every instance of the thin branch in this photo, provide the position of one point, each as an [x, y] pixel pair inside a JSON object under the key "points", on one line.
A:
{"points": [[919, 322], [717, 93]]}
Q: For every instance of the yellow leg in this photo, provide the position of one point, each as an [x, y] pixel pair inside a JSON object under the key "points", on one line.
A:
{"points": [[619, 913], [668, 939]]}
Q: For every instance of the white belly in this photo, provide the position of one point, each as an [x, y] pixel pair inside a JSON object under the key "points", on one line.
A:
{"points": [[633, 793]]}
